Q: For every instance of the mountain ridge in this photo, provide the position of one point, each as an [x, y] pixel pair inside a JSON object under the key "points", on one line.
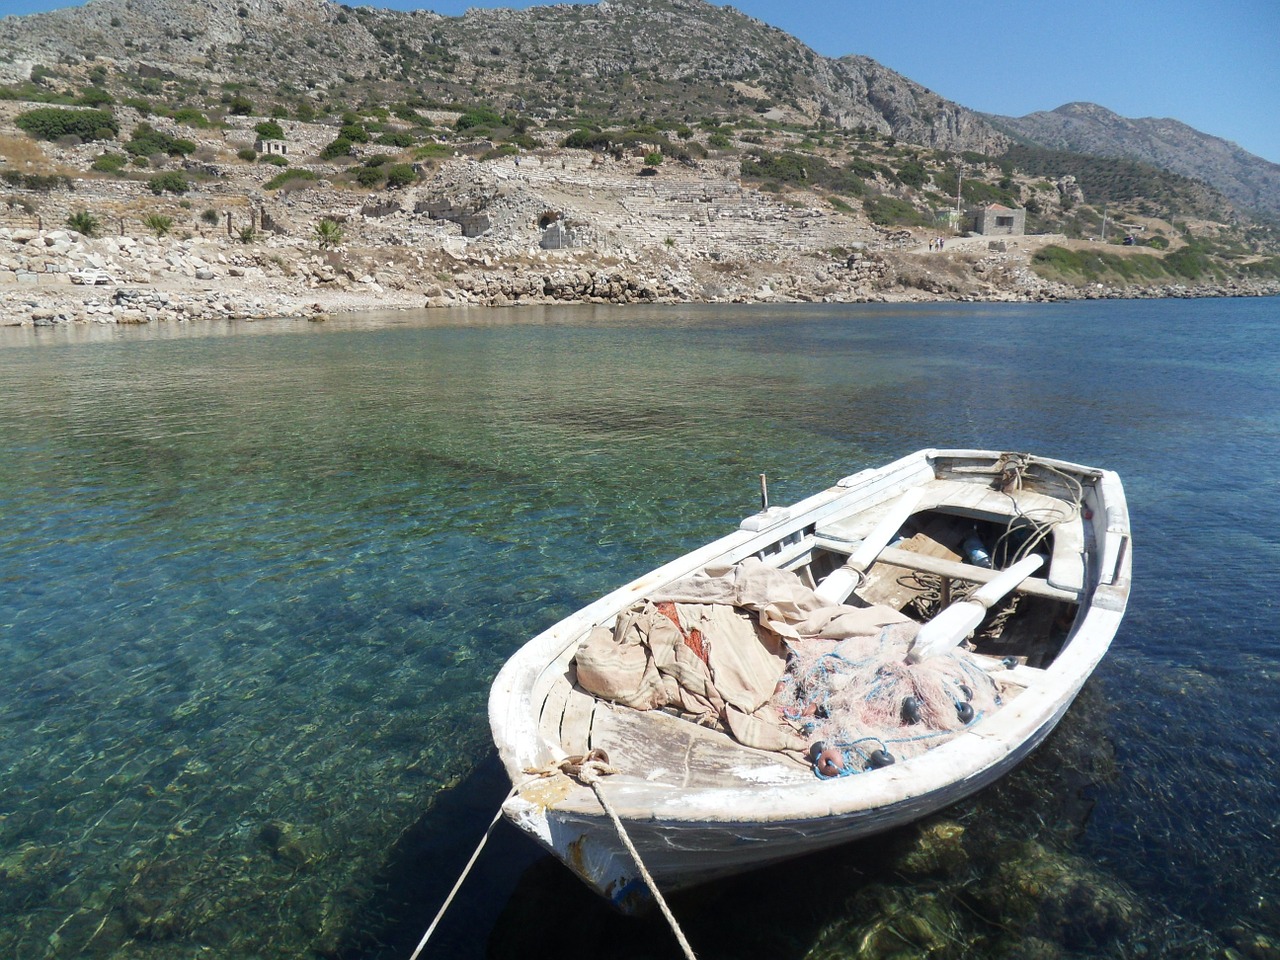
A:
{"points": [[671, 57], [1250, 181], [616, 60]]}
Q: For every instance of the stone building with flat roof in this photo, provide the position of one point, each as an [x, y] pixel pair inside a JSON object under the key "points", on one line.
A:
{"points": [[997, 220]]}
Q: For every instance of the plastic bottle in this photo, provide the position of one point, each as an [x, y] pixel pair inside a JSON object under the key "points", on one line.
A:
{"points": [[975, 552]]}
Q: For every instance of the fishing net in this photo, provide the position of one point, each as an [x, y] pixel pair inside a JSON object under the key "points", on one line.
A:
{"points": [[862, 706], [712, 646]]}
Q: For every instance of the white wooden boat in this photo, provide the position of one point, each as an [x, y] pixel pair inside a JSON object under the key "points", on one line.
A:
{"points": [[697, 803]]}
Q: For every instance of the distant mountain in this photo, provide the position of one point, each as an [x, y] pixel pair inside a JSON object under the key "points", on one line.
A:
{"points": [[617, 59], [1248, 181]]}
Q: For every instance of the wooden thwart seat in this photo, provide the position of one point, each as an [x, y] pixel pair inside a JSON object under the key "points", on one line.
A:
{"points": [[955, 570], [1065, 578]]}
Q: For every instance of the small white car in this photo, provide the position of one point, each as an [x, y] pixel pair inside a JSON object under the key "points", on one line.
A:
{"points": [[91, 277]]}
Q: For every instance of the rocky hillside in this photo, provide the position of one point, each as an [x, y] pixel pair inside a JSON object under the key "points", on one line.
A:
{"points": [[1248, 181], [652, 59]]}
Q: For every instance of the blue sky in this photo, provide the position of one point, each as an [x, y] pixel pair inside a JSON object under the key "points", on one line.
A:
{"points": [[1213, 64]]}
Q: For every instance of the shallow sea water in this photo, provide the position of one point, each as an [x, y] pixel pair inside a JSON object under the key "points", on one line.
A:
{"points": [[257, 578]]}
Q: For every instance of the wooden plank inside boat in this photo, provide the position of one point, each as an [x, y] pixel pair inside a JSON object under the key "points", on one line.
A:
{"points": [[575, 725], [664, 749], [894, 587], [553, 709]]}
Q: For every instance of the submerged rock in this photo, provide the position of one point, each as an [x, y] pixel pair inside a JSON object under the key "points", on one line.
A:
{"points": [[937, 849], [1057, 897], [287, 844]]}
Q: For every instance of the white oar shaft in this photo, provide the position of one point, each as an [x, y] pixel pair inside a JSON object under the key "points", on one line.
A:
{"points": [[960, 619]]}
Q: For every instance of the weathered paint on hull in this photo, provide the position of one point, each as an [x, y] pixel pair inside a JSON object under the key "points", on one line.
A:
{"points": [[686, 854]]}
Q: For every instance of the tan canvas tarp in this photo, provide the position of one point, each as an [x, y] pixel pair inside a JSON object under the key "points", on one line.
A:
{"points": [[744, 614]]}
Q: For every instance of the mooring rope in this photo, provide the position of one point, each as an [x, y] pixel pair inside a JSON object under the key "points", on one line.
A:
{"points": [[591, 770], [465, 870]]}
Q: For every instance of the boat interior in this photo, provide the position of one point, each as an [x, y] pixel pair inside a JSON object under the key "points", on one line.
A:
{"points": [[916, 550]]}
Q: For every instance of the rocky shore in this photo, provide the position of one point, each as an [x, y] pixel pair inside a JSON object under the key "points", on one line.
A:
{"points": [[564, 226], [61, 277]]}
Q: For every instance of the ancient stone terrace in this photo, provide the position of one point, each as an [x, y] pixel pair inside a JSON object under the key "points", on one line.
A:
{"points": [[703, 211]]}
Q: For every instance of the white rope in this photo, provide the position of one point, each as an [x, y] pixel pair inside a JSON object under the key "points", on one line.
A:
{"points": [[465, 870], [592, 777]]}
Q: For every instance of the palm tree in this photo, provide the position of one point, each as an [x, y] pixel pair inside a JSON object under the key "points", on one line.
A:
{"points": [[158, 223], [82, 221], [328, 233]]}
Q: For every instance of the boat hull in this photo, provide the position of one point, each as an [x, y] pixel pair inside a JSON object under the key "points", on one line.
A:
{"points": [[683, 854], [686, 836]]}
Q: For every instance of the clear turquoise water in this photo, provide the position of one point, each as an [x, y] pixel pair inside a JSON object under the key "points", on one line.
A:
{"points": [[257, 578]]}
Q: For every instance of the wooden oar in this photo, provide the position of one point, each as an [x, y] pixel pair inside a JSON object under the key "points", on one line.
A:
{"points": [[839, 583], [960, 619]]}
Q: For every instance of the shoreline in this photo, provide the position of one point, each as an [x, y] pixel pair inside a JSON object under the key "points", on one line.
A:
{"points": [[151, 280]]}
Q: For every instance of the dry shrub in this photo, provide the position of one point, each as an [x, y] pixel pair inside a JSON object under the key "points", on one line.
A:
{"points": [[22, 150]]}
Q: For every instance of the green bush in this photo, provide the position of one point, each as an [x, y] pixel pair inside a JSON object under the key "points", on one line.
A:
{"points": [[109, 162], [506, 150], [848, 183], [240, 106], [274, 159], [42, 182], [1058, 260], [431, 151], [340, 147], [269, 130], [171, 182], [190, 117], [478, 117], [146, 141], [890, 211], [864, 168], [784, 167], [1097, 264], [400, 175], [653, 158], [369, 177], [354, 132], [913, 174], [1189, 262], [401, 140], [289, 176], [587, 140], [210, 216], [95, 97], [52, 123], [247, 154], [1268, 268]]}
